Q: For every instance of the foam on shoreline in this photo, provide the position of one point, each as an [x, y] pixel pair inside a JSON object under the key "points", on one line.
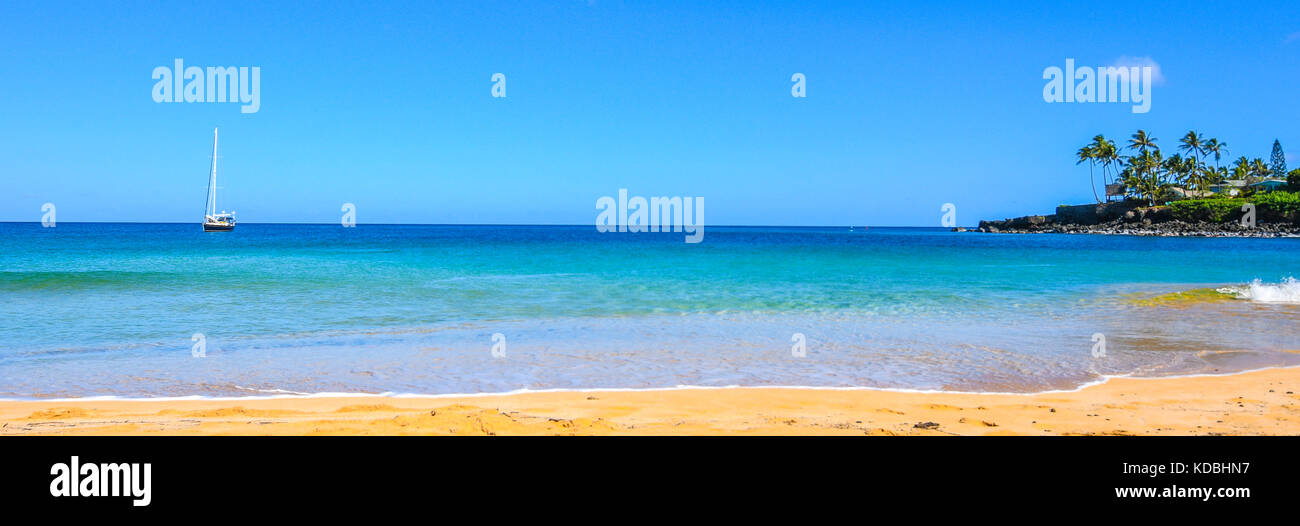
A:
{"points": [[1102, 379]]}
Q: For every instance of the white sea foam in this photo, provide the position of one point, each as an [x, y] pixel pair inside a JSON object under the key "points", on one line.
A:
{"points": [[1098, 380], [1288, 291]]}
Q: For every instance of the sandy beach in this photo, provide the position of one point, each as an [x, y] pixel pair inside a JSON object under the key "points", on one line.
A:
{"points": [[1253, 403]]}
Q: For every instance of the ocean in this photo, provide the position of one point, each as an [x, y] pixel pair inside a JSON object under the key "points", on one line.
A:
{"points": [[166, 310]]}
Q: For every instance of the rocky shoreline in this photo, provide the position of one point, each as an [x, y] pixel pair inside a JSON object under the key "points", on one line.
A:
{"points": [[1130, 219], [1172, 228]]}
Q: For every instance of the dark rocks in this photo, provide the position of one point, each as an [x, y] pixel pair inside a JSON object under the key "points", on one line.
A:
{"points": [[1078, 214], [1016, 223], [1019, 222], [1149, 215], [1113, 210], [1096, 213], [1148, 227], [1159, 214], [926, 425]]}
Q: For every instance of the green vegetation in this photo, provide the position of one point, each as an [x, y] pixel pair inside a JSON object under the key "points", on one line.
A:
{"points": [[1277, 162], [1282, 205], [1269, 206], [1149, 175], [1212, 210]]}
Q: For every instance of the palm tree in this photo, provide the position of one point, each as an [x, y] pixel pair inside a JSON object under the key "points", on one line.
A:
{"points": [[1159, 179], [1258, 168], [1140, 165], [1193, 144], [1104, 151], [1182, 169], [1241, 168], [1217, 176], [1142, 142], [1085, 154], [1125, 175], [1217, 148], [1146, 174]]}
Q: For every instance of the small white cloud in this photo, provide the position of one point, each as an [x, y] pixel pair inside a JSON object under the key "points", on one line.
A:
{"points": [[1129, 62]]}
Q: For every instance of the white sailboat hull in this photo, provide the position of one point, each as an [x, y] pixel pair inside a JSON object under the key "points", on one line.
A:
{"points": [[218, 227]]}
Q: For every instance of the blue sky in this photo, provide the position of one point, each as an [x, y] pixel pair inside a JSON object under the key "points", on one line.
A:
{"points": [[390, 107]]}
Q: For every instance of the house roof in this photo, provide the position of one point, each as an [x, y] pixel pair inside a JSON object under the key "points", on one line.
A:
{"points": [[1190, 193], [1269, 182]]}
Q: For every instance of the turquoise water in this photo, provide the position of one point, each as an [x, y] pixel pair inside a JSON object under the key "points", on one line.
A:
{"points": [[110, 309]]}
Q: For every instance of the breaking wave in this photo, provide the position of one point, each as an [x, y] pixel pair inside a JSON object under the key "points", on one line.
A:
{"points": [[1288, 291]]}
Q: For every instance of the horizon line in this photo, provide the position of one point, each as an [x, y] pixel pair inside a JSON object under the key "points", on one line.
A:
{"points": [[468, 224]]}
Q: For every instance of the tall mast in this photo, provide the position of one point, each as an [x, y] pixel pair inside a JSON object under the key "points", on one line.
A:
{"points": [[212, 179]]}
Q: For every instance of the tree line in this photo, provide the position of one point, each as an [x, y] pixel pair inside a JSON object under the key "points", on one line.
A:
{"points": [[1146, 173]]}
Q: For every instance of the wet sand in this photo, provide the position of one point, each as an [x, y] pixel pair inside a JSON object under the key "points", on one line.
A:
{"points": [[1253, 403]]}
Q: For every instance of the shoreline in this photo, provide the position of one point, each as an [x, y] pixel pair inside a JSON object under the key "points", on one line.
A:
{"points": [[290, 395], [1217, 217], [1121, 228], [1258, 402]]}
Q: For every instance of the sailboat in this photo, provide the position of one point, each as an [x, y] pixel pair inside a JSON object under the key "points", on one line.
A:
{"points": [[213, 221]]}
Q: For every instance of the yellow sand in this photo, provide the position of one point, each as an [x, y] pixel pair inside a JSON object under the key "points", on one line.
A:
{"points": [[1254, 403]]}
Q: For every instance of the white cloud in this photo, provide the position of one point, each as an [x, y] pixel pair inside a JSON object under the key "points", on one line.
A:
{"points": [[1127, 62]]}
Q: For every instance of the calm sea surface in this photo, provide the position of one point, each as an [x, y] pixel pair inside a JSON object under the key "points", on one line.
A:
{"points": [[113, 309]]}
